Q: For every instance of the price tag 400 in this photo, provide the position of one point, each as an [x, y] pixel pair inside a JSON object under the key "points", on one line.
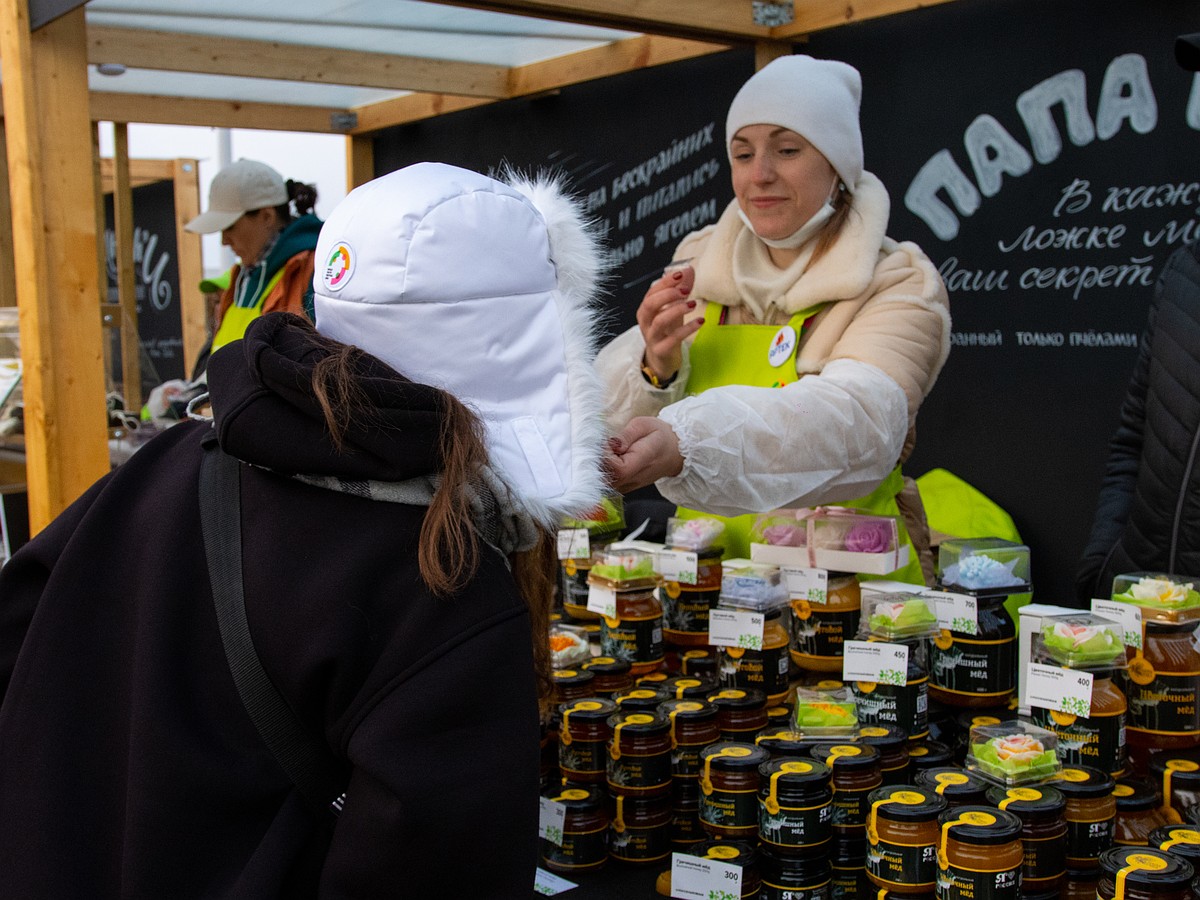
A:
{"points": [[1059, 689]]}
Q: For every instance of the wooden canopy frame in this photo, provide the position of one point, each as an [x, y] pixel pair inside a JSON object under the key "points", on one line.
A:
{"points": [[52, 200]]}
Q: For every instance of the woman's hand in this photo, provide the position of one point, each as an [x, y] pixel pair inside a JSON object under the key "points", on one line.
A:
{"points": [[644, 452], [661, 320]]}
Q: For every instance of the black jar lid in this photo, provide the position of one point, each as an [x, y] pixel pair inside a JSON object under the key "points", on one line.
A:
{"points": [[693, 710], [607, 665], [981, 825], [572, 676], [885, 737], [796, 773], [1184, 766], [690, 686], [1023, 801], [698, 662], [1146, 867], [964, 788], [1178, 840], [929, 754], [780, 714], [783, 740], [639, 724], [736, 853], [733, 755], [588, 709], [738, 698], [906, 803], [846, 756], [990, 716], [1084, 782], [643, 698], [578, 797], [1134, 795]]}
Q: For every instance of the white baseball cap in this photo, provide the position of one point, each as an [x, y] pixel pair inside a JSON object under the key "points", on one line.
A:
{"points": [[239, 188]]}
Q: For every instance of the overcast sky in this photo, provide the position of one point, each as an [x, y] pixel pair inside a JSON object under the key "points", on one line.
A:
{"points": [[318, 159]]}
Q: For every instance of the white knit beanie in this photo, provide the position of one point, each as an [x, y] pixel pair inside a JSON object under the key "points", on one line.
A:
{"points": [[816, 98]]}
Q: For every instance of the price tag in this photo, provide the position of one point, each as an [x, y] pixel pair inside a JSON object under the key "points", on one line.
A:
{"points": [[550, 820], [1129, 617], [573, 543], [602, 600], [1058, 689], [677, 565], [955, 612], [694, 878], [548, 884], [875, 661], [733, 628], [806, 584]]}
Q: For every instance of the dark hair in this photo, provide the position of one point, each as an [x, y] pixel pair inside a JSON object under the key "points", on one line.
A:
{"points": [[448, 550], [301, 197]]}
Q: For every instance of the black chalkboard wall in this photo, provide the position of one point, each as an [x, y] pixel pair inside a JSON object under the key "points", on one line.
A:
{"points": [[1045, 154]]}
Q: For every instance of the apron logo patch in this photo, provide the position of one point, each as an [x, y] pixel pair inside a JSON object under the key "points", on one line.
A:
{"points": [[782, 346]]}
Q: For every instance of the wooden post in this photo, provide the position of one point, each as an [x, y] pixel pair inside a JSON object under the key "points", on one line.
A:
{"points": [[8, 281], [54, 237], [131, 343], [193, 307], [769, 51], [360, 160]]}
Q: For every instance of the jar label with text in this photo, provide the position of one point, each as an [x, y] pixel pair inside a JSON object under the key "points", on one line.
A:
{"points": [[905, 707], [583, 757], [795, 827], [965, 666], [686, 609], [730, 809], [822, 633], [1160, 702], [635, 640], [955, 883], [912, 866], [579, 849], [765, 669], [630, 774], [1045, 860], [1087, 840], [640, 844], [850, 807], [1097, 741]]}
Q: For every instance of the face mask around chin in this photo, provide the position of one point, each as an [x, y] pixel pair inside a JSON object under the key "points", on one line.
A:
{"points": [[802, 234]]}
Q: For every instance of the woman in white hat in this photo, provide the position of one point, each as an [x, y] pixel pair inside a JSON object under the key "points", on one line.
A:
{"points": [[269, 225], [400, 469], [784, 363]]}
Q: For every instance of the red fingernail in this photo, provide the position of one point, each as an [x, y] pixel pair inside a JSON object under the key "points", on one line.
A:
{"points": [[691, 304], [685, 290], [676, 275]]}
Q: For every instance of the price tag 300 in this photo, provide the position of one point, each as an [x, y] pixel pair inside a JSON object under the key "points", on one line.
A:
{"points": [[701, 878], [551, 817]]}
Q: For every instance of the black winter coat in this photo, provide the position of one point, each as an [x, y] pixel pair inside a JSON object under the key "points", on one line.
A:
{"points": [[128, 765], [1148, 513]]}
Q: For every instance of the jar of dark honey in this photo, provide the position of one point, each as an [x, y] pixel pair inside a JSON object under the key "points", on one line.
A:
{"points": [[639, 830], [1139, 812], [610, 675], [792, 877], [1182, 841], [1091, 814], [640, 699], [1042, 811], [697, 663], [583, 844], [635, 633], [959, 788], [819, 630], [766, 669], [741, 712], [856, 772], [1096, 740], [902, 839], [693, 727], [980, 854], [1162, 685], [1177, 774], [686, 606], [795, 806], [892, 744], [904, 706], [1142, 873], [639, 755], [729, 789], [571, 684], [583, 734], [978, 669]]}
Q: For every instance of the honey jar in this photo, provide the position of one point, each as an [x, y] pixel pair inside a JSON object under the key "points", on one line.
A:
{"points": [[980, 854], [583, 734], [1162, 685], [639, 755], [584, 841], [1177, 774], [729, 789], [635, 633], [686, 606], [741, 712], [1091, 814], [1097, 740], [928, 754], [639, 830], [959, 788], [1042, 811], [795, 806], [693, 727], [892, 744], [904, 706], [1182, 841], [1139, 812], [610, 676], [819, 630], [975, 670], [902, 839], [793, 878], [1142, 873], [856, 772], [766, 669], [689, 687]]}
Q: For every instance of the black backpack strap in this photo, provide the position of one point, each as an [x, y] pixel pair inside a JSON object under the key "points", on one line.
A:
{"points": [[309, 764]]}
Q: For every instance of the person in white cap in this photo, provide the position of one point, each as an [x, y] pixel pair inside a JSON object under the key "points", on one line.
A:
{"points": [[269, 225], [783, 361], [401, 468]]}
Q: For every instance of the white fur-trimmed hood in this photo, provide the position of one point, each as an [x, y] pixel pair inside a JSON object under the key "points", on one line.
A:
{"points": [[484, 289]]}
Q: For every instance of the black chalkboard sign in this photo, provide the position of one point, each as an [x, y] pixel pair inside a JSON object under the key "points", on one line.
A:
{"points": [[156, 281], [1044, 154]]}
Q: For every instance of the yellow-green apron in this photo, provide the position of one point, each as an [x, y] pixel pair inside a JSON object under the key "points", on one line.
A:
{"points": [[758, 356], [238, 318]]}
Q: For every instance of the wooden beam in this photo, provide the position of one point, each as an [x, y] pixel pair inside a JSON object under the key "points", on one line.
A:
{"points": [[769, 51], [176, 52], [537, 78], [162, 110], [8, 281], [817, 15], [141, 172], [360, 161], [54, 235], [193, 306], [723, 21]]}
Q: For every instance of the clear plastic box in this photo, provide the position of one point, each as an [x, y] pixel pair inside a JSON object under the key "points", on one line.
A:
{"points": [[898, 617], [1161, 598], [984, 566], [1080, 641], [839, 539], [623, 569], [754, 587], [826, 713], [698, 534], [1013, 753], [568, 645]]}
